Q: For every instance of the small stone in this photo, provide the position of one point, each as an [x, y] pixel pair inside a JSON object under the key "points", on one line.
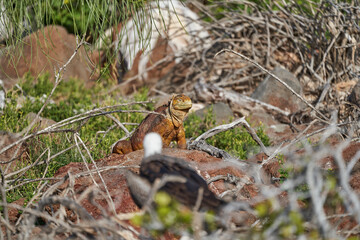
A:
{"points": [[16, 152], [280, 128], [221, 111], [273, 92]]}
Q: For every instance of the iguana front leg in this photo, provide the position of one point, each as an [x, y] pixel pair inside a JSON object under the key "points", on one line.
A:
{"points": [[180, 138]]}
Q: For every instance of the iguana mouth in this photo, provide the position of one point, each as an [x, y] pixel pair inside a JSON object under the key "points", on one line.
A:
{"points": [[185, 106]]}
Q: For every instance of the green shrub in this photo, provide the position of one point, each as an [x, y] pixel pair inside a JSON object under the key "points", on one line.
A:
{"points": [[170, 216], [236, 141]]}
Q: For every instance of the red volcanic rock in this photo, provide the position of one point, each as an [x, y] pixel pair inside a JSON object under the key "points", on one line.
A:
{"points": [[43, 51], [355, 181], [14, 213], [114, 179], [347, 154], [112, 171], [350, 152]]}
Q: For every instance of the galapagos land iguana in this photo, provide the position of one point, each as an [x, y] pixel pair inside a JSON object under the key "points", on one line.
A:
{"points": [[169, 127]]}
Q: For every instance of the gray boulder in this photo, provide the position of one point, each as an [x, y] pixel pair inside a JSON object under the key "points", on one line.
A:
{"points": [[273, 92]]}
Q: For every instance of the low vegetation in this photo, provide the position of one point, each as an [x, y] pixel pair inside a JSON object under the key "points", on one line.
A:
{"points": [[237, 142], [71, 98], [306, 37]]}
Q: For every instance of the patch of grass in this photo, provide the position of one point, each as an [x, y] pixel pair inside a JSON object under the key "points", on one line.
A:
{"points": [[70, 98], [9, 120], [236, 141], [220, 9], [283, 170], [90, 17]]}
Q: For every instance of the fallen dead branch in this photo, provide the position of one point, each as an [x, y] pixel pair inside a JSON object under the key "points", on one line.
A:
{"points": [[226, 127], [314, 46]]}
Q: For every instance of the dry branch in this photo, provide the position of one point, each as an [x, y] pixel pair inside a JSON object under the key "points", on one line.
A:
{"points": [[275, 77], [226, 127], [211, 93]]}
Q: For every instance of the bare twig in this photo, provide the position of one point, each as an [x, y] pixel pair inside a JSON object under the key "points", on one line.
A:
{"points": [[56, 127], [5, 207], [226, 127], [97, 171]]}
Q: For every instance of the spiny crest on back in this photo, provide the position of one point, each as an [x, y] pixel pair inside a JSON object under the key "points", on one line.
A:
{"points": [[152, 144]]}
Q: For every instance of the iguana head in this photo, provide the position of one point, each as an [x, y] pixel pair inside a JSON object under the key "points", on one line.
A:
{"points": [[181, 102], [179, 106]]}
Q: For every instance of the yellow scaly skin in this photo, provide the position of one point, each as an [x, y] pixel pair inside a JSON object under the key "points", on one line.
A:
{"points": [[170, 128]]}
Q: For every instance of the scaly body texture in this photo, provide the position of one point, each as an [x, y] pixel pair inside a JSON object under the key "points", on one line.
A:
{"points": [[169, 127]]}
